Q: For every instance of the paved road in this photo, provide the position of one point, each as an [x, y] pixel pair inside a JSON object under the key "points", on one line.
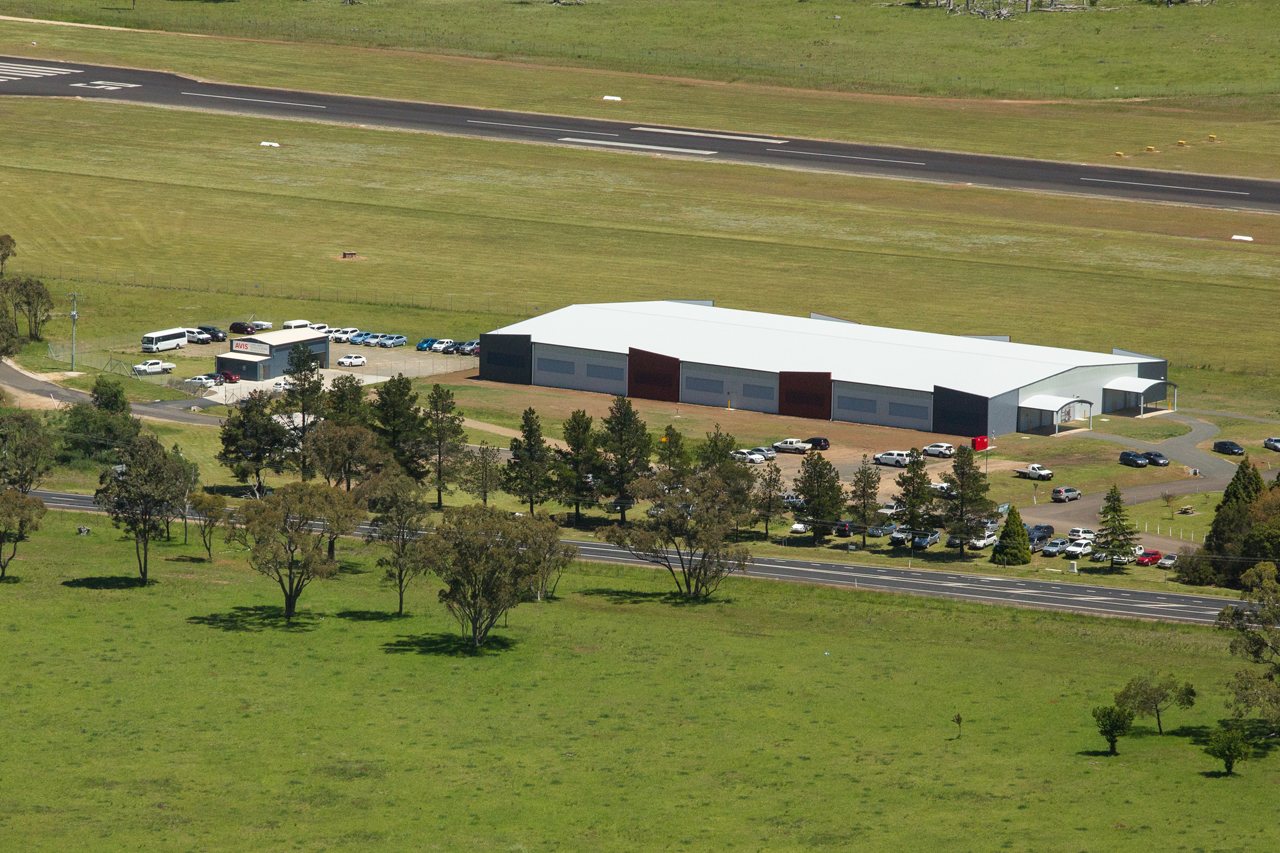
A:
{"points": [[19, 76], [165, 410], [1043, 595]]}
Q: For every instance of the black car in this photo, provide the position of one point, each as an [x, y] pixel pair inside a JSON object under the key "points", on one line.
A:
{"points": [[452, 348], [1228, 447], [844, 528], [239, 328], [818, 443], [1037, 541], [1156, 458], [214, 333], [1133, 458], [1045, 530]]}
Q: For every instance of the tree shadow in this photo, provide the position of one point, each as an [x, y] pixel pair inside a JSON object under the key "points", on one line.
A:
{"points": [[632, 596], [257, 618], [1096, 753], [9, 579], [368, 615], [113, 582], [446, 645], [1217, 774], [185, 558], [348, 567]]}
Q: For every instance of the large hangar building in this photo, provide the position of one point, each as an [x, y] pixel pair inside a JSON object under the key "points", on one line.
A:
{"points": [[817, 368]]}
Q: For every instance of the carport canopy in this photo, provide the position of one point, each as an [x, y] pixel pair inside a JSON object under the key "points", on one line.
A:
{"points": [[1051, 403], [1137, 385]]}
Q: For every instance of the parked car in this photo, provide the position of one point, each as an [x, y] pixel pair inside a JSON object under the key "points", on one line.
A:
{"points": [[1045, 530], [343, 336], [352, 360], [1056, 547], [1149, 558], [229, 377], [452, 349], [373, 340], [900, 537], [320, 327], [393, 341], [925, 538], [792, 502], [439, 345], [1034, 472], [1064, 494], [358, 338], [1133, 459], [426, 344], [261, 325], [153, 366], [201, 381], [943, 490], [818, 443], [1077, 533], [1168, 561], [984, 540], [1078, 548], [241, 328], [799, 527], [885, 529], [214, 333], [1228, 447], [195, 336], [1037, 541], [1271, 443], [470, 348], [792, 445], [1156, 458], [281, 385], [297, 324], [940, 449], [844, 529], [747, 456], [954, 541], [897, 458], [767, 452]]}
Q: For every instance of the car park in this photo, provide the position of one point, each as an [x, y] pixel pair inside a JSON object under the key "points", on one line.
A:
{"points": [[1168, 561], [1133, 459], [1064, 494], [925, 538], [885, 529], [1228, 447], [940, 449], [195, 336], [1271, 443], [439, 345], [1078, 548], [229, 377], [897, 458], [983, 540], [214, 333], [262, 325], [393, 341], [1156, 458], [352, 360], [1056, 547], [241, 328], [767, 452], [818, 443], [426, 344], [747, 456], [1077, 533], [1149, 558], [373, 340]]}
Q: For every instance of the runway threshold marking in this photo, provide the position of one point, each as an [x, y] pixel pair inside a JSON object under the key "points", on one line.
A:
{"points": [[255, 100], [12, 71], [1163, 186], [635, 145], [710, 135], [540, 127], [847, 157]]}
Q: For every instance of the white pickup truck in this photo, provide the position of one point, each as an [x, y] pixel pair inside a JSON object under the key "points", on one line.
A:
{"points": [[1034, 472], [792, 445], [153, 366]]}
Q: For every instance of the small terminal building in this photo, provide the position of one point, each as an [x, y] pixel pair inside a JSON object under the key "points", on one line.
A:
{"points": [[818, 367], [266, 355]]}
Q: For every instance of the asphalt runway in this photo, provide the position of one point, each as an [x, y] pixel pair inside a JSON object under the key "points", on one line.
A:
{"points": [[1040, 595], [19, 76]]}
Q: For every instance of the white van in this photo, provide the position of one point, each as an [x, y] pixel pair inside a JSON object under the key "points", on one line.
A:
{"points": [[195, 336], [297, 324], [322, 328], [161, 341]]}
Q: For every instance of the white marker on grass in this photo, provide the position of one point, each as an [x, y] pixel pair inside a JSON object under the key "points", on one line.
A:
{"points": [[1241, 237], [612, 98]]}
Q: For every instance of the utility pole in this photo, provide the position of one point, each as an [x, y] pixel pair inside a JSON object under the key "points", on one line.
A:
{"points": [[75, 315]]}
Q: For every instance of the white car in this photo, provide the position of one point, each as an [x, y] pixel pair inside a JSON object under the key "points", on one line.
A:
{"points": [[153, 366], [281, 385], [352, 361], [799, 527], [201, 381], [1168, 561], [439, 345], [767, 452], [260, 325], [748, 456], [342, 336], [899, 458], [1078, 548], [1081, 533], [321, 327], [195, 336], [985, 540], [941, 449], [1271, 443]]}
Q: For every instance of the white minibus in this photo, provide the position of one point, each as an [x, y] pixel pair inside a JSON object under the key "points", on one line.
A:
{"points": [[161, 341]]}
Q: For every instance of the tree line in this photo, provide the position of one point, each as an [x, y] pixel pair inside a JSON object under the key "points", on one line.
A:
{"points": [[22, 298]]}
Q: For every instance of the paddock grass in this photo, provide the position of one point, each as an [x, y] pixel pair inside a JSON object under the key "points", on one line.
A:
{"points": [[1247, 140], [1149, 515], [97, 191], [1126, 48], [1154, 430], [187, 716]]}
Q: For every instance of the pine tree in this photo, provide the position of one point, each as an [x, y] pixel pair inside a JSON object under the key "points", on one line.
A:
{"points": [[443, 440], [577, 477], [768, 495], [1014, 547], [819, 485], [864, 497], [529, 471], [1116, 535], [627, 446], [916, 496], [967, 505], [1233, 519], [672, 453]]}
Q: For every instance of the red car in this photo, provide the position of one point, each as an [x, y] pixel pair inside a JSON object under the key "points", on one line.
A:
{"points": [[228, 376], [1149, 558]]}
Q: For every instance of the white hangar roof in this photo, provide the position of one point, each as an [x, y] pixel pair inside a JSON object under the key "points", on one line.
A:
{"points": [[771, 343]]}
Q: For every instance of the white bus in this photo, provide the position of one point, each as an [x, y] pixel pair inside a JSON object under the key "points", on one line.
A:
{"points": [[161, 341]]}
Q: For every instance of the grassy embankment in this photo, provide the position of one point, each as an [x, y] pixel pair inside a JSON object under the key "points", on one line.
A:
{"points": [[1247, 143], [186, 716]]}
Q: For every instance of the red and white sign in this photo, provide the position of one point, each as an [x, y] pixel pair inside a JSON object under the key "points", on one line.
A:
{"points": [[250, 347]]}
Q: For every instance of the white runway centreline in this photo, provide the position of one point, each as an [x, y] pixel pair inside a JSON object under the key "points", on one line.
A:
{"points": [[635, 145], [255, 100], [847, 157], [1162, 186], [711, 135], [540, 127]]}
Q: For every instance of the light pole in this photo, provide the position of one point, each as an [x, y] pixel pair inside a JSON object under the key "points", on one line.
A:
{"points": [[75, 315]]}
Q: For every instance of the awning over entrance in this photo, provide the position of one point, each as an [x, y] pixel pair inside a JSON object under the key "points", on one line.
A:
{"points": [[1051, 403], [1134, 385]]}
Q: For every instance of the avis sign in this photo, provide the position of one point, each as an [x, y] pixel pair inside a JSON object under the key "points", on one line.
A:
{"points": [[250, 347]]}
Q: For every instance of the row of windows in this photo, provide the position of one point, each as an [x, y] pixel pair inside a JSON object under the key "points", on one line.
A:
{"points": [[716, 386], [869, 406], [594, 371]]}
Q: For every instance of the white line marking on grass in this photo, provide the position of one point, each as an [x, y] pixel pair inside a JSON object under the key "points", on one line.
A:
{"points": [[710, 135], [1163, 186], [540, 127], [848, 157], [255, 100], [634, 145]]}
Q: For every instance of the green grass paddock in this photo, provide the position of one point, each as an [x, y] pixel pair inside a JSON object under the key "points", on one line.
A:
{"points": [[185, 716]]}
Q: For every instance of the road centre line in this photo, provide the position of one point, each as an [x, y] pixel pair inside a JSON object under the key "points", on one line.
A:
{"points": [[1163, 186], [254, 100], [634, 145], [847, 157], [710, 135], [540, 127]]}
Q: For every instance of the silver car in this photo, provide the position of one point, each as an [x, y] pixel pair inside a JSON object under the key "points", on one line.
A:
{"points": [[766, 452]]}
